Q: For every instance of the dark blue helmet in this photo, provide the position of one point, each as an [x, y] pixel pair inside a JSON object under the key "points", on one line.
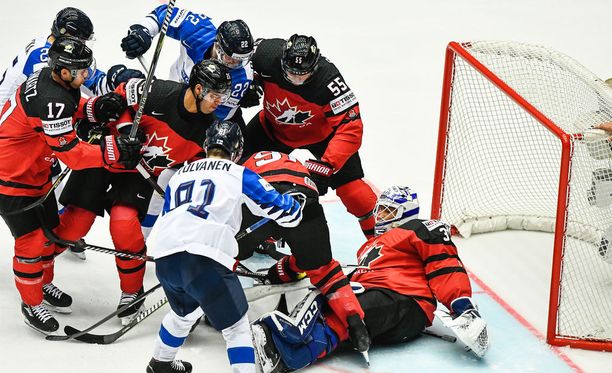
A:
{"points": [[225, 135], [73, 22]]}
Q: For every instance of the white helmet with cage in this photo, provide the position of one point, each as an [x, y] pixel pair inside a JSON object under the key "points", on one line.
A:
{"points": [[395, 206]]}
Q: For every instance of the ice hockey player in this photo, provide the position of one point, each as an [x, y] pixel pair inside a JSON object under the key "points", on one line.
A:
{"points": [[403, 272], [307, 104], [36, 126], [68, 22], [309, 243], [174, 122], [231, 44], [196, 247]]}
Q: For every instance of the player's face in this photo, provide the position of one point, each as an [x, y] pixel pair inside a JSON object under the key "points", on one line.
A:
{"points": [[211, 100], [296, 79], [229, 61], [384, 213]]}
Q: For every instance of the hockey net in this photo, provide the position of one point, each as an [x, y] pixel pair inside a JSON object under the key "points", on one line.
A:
{"points": [[517, 150]]}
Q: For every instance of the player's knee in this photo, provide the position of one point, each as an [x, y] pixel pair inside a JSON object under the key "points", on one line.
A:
{"points": [[31, 245], [125, 228], [75, 222], [357, 196]]}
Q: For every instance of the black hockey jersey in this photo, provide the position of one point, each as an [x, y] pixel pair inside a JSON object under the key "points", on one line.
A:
{"points": [[322, 109], [174, 135]]}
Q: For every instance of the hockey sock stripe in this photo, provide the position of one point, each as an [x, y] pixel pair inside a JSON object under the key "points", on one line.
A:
{"points": [[169, 339], [23, 260], [366, 216], [140, 253], [149, 221], [337, 285], [28, 275], [132, 270], [328, 277], [241, 355], [47, 258], [445, 271]]}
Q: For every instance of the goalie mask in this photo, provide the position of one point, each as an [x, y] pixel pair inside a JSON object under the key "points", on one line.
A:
{"points": [[395, 206]]}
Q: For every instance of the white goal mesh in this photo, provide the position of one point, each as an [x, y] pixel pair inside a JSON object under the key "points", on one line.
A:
{"points": [[510, 111]]}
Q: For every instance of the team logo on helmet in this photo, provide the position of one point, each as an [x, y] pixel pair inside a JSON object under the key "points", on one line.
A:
{"points": [[284, 113], [156, 153]]}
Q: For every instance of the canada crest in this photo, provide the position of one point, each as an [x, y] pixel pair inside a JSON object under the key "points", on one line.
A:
{"points": [[156, 153], [284, 113]]}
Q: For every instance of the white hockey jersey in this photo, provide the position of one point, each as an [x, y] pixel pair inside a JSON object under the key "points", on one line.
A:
{"points": [[203, 209], [34, 57]]}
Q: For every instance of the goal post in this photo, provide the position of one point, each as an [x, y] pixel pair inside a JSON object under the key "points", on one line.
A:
{"points": [[517, 149]]}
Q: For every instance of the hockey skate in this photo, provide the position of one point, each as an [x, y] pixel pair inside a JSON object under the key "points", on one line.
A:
{"points": [[131, 312], [56, 300], [39, 319], [78, 252], [267, 355], [176, 366], [359, 336]]}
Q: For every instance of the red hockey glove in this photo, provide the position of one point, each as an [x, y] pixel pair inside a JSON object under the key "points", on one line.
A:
{"points": [[105, 108], [320, 172]]}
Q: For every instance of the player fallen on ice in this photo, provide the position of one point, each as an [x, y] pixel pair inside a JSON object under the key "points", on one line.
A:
{"points": [[402, 274]]}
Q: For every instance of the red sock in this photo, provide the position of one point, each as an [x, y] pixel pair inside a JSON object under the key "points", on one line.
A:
{"points": [[360, 201], [127, 236], [28, 266]]}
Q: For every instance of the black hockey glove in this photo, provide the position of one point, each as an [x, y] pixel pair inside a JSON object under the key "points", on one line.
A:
{"points": [[105, 108], [86, 130], [320, 172], [252, 95], [120, 74], [137, 41], [121, 152]]}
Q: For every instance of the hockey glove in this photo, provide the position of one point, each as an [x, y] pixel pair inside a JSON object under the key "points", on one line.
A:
{"points": [[120, 74], [105, 108], [120, 151], [320, 172], [86, 130], [137, 41], [252, 95]]}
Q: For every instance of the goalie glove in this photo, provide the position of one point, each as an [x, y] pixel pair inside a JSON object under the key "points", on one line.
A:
{"points": [[320, 172]]}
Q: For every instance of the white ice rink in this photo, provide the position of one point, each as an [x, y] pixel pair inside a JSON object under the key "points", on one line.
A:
{"points": [[391, 54]]}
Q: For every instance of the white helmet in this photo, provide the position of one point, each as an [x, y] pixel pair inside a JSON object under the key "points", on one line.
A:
{"points": [[395, 206]]}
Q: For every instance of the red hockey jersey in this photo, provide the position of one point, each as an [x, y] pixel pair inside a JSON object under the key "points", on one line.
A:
{"points": [[416, 259], [36, 126], [322, 109], [174, 135], [276, 167]]}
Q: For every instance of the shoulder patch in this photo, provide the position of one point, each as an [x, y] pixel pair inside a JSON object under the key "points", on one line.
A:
{"points": [[265, 185], [343, 102], [57, 127], [179, 17], [433, 224]]}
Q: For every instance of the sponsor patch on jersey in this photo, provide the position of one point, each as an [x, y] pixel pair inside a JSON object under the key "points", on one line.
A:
{"points": [[343, 102], [266, 185], [133, 88], [57, 127], [433, 224], [179, 18]]}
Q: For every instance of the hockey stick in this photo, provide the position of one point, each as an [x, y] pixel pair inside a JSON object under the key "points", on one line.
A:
{"points": [[151, 71], [104, 339], [68, 328]]}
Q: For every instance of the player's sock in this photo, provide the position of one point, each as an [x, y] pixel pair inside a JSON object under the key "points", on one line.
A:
{"points": [[28, 267], [239, 345], [127, 236], [360, 201]]}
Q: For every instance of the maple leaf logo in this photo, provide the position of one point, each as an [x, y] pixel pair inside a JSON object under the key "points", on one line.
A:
{"points": [[287, 114], [370, 255], [156, 153]]}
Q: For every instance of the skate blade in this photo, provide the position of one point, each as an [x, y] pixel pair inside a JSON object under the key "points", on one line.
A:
{"points": [[64, 310], [126, 320], [40, 330], [79, 255]]}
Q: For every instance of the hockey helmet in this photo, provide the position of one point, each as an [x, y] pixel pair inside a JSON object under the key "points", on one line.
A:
{"points": [[234, 43], [73, 22], [213, 77], [300, 56], [71, 53], [395, 206], [225, 135]]}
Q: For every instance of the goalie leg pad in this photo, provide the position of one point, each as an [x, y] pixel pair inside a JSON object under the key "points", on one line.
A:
{"points": [[470, 330]]}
